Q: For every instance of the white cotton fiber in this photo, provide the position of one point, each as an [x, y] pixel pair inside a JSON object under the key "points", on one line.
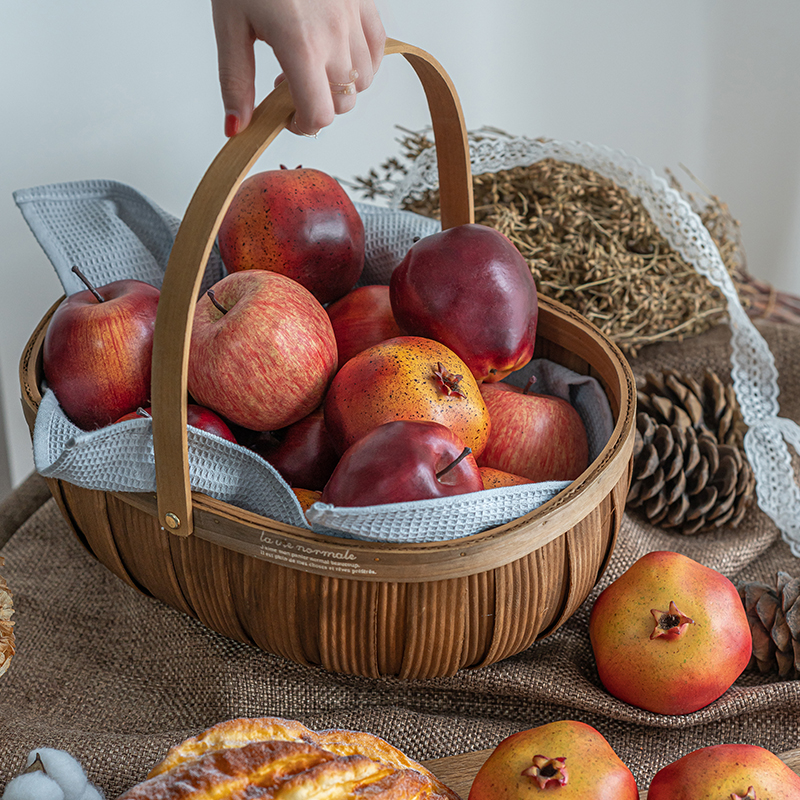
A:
{"points": [[63, 769], [33, 786]]}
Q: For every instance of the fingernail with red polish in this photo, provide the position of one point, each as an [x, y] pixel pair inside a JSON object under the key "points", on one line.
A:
{"points": [[231, 125]]}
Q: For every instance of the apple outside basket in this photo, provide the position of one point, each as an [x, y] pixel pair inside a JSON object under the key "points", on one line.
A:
{"points": [[424, 610]]}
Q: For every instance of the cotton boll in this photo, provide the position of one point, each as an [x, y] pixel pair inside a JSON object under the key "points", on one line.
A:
{"points": [[91, 792], [33, 786], [63, 769]]}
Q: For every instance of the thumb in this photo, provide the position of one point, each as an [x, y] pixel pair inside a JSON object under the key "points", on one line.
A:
{"points": [[237, 70]]}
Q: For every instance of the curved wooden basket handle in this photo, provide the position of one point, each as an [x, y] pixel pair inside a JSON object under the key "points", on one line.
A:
{"points": [[196, 236]]}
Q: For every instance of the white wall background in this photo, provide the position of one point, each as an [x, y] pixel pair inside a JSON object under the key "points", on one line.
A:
{"points": [[128, 91]]}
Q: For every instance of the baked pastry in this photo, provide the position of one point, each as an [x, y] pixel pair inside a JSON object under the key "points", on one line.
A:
{"points": [[279, 759]]}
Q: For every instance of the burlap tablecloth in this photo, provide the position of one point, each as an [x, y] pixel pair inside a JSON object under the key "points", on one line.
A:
{"points": [[115, 677]]}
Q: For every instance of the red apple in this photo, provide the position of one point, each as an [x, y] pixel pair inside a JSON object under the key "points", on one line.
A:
{"points": [[361, 318], [669, 635], [303, 454], [203, 419], [401, 461], [262, 351], [97, 351], [299, 222], [726, 772], [471, 289], [566, 759], [407, 377], [538, 436]]}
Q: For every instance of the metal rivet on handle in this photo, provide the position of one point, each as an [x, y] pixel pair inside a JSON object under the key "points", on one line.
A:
{"points": [[173, 520]]}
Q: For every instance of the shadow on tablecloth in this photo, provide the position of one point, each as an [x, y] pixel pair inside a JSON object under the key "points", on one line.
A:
{"points": [[115, 677]]}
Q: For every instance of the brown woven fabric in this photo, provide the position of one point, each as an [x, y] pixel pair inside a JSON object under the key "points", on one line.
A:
{"points": [[116, 678]]}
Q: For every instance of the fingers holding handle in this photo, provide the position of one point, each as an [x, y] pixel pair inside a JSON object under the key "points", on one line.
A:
{"points": [[328, 50]]}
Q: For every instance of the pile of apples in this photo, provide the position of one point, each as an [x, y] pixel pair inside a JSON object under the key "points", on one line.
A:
{"points": [[357, 396]]}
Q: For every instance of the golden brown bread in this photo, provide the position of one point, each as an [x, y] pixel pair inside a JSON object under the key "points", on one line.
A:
{"points": [[278, 759]]}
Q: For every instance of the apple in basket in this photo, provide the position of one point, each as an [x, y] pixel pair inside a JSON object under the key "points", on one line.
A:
{"points": [[262, 350], [736, 771], [471, 289], [669, 635], [407, 377], [402, 461], [303, 453], [538, 436], [203, 419], [299, 222], [494, 478], [559, 759], [361, 318], [98, 348]]}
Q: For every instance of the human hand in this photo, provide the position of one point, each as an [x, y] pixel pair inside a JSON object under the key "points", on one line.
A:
{"points": [[329, 50]]}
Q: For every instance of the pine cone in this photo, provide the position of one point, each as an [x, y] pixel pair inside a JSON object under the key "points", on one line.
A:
{"points": [[687, 481], [774, 616], [710, 407], [6, 626]]}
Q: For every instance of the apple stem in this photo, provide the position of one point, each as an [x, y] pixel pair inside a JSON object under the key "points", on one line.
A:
{"points": [[143, 413], [216, 302], [77, 271], [528, 385], [464, 453]]}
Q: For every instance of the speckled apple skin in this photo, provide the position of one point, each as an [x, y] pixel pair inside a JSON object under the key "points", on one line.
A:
{"points": [[470, 288], [268, 361], [719, 772], [540, 437], [299, 222], [395, 380], [669, 676], [493, 478], [595, 771]]}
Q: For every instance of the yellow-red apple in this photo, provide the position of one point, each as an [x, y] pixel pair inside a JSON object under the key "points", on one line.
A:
{"points": [[669, 635], [407, 377], [566, 760]]}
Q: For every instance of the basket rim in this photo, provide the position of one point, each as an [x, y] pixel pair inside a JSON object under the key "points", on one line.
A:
{"points": [[254, 535]]}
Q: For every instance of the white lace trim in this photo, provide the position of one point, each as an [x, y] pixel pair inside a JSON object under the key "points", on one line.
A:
{"points": [[753, 371]]}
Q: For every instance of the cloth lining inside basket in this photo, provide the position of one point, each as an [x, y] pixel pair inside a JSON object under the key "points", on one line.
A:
{"points": [[114, 232]]}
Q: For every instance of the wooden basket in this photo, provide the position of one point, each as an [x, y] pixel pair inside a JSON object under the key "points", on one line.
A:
{"points": [[362, 608]]}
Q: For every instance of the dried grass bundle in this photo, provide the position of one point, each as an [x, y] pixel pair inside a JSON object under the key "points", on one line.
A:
{"points": [[593, 246]]}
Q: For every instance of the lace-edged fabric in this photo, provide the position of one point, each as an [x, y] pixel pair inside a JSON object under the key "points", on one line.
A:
{"points": [[753, 371]]}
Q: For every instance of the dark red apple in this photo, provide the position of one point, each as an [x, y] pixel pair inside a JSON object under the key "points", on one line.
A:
{"points": [[471, 289], [304, 455], [299, 222], [538, 436], [262, 350], [402, 461], [97, 351], [203, 419], [362, 318]]}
